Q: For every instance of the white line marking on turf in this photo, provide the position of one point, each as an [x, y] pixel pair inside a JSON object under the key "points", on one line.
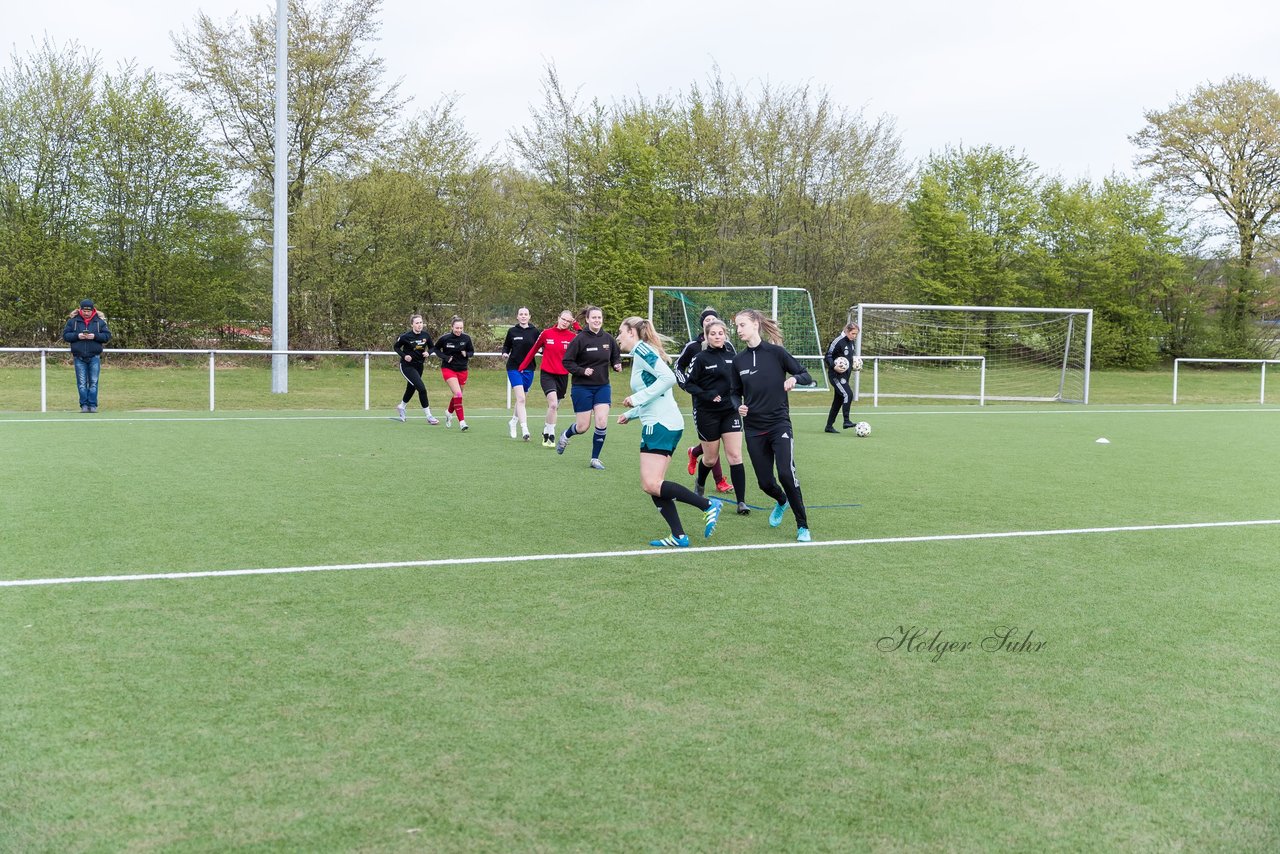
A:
{"points": [[868, 541]]}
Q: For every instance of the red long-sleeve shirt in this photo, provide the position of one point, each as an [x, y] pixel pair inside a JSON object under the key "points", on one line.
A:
{"points": [[552, 343]]}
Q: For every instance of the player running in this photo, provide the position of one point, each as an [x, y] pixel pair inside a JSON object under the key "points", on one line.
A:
{"points": [[455, 351], [588, 358], [651, 402], [518, 344], [682, 372], [841, 395], [553, 377], [716, 419], [413, 348], [760, 386]]}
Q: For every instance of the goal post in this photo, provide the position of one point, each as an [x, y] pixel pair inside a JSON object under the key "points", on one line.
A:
{"points": [[1031, 354], [675, 312]]}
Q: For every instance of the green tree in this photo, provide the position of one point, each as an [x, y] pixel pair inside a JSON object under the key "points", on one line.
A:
{"points": [[1222, 142], [46, 126], [975, 217]]}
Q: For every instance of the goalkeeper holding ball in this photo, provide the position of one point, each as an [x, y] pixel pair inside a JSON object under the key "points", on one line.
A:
{"points": [[841, 361]]}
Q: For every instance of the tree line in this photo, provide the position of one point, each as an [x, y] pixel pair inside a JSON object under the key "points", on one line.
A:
{"points": [[154, 197]]}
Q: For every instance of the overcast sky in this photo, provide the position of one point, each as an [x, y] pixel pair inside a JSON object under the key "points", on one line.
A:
{"points": [[1066, 84]]}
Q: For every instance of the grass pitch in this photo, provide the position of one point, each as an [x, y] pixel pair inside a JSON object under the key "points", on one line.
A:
{"points": [[769, 697]]}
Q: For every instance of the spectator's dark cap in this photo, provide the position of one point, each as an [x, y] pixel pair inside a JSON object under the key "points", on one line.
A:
{"points": [[710, 312], [86, 303]]}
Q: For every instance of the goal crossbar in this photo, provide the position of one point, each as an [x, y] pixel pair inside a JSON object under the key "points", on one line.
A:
{"points": [[1045, 358]]}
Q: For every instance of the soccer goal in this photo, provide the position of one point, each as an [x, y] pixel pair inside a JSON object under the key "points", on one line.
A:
{"points": [[1031, 354], [674, 312]]}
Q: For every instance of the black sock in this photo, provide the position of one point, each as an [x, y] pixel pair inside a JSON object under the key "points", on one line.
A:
{"points": [[667, 508], [738, 473], [677, 492], [702, 472]]}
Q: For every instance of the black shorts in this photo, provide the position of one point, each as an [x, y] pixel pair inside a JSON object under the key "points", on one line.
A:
{"points": [[711, 425], [559, 383]]}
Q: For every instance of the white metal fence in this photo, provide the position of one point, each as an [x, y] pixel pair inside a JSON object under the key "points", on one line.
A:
{"points": [[981, 396], [1262, 391], [212, 354]]}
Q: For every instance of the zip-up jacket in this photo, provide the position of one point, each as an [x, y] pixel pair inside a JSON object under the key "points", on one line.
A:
{"points": [[553, 343], [710, 375], [685, 359], [88, 348], [758, 375], [842, 346]]}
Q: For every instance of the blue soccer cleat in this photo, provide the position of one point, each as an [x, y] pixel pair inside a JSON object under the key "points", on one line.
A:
{"points": [[711, 516], [562, 443], [672, 542], [775, 518], [802, 535]]}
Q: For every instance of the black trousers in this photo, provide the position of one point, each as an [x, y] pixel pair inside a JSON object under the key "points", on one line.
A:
{"points": [[414, 377], [775, 448], [841, 397]]}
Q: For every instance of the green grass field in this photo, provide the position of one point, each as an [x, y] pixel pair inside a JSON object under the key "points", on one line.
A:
{"points": [[749, 693]]}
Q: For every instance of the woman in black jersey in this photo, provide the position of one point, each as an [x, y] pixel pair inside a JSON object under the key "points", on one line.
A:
{"points": [[715, 418], [455, 350], [759, 387], [413, 348], [588, 358], [842, 347]]}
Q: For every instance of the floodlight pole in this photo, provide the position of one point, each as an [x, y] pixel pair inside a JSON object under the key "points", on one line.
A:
{"points": [[280, 210]]}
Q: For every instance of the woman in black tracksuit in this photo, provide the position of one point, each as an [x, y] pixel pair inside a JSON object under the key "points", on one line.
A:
{"points": [[708, 379], [841, 394], [760, 386], [413, 347]]}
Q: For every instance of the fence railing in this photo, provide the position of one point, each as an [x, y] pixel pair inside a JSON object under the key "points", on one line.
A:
{"points": [[212, 354], [981, 396], [1262, 391]]}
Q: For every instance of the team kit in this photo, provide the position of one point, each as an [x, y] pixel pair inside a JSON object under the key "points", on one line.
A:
{"points": [[739, 397]]}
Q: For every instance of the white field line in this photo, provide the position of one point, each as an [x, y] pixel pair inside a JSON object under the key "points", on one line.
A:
{"points": [[453, 562]]}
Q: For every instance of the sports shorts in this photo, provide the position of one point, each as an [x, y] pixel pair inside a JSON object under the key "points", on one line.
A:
{"points": [[712, 424], [559, 383], [656, 439], [588, 397], [520, 378]]}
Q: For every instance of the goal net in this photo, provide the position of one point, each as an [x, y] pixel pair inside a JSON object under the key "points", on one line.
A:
{"points": [[674, 312], [1031, 354]]}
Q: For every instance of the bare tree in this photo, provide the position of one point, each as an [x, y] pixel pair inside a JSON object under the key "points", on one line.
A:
{"points": [[337, 102]]}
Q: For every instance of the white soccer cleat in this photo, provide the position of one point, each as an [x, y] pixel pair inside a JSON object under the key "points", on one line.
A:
{"points": [[448, 420], [462, 425], [400, 412], [511, 428]]}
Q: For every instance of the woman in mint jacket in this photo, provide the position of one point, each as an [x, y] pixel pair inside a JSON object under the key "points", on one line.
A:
{"points": [[652, 403]]}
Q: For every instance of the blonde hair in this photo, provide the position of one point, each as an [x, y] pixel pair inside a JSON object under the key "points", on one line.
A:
{"points": [[768, 328], [645, 332], [712, 323], [852, 325]]}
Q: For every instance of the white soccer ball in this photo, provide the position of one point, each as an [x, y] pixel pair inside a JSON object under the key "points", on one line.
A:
{"points": [[862, 429], [857, 363], [841, 364]]}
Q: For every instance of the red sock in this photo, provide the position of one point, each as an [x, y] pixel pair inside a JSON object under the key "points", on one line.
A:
{"points": [[456, 405]]}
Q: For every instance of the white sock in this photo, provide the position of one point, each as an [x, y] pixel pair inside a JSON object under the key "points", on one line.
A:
{"points": [[524, 426]]}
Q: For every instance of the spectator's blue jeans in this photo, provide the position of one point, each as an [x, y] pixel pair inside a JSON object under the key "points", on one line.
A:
{"points": [[87, 379]]}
